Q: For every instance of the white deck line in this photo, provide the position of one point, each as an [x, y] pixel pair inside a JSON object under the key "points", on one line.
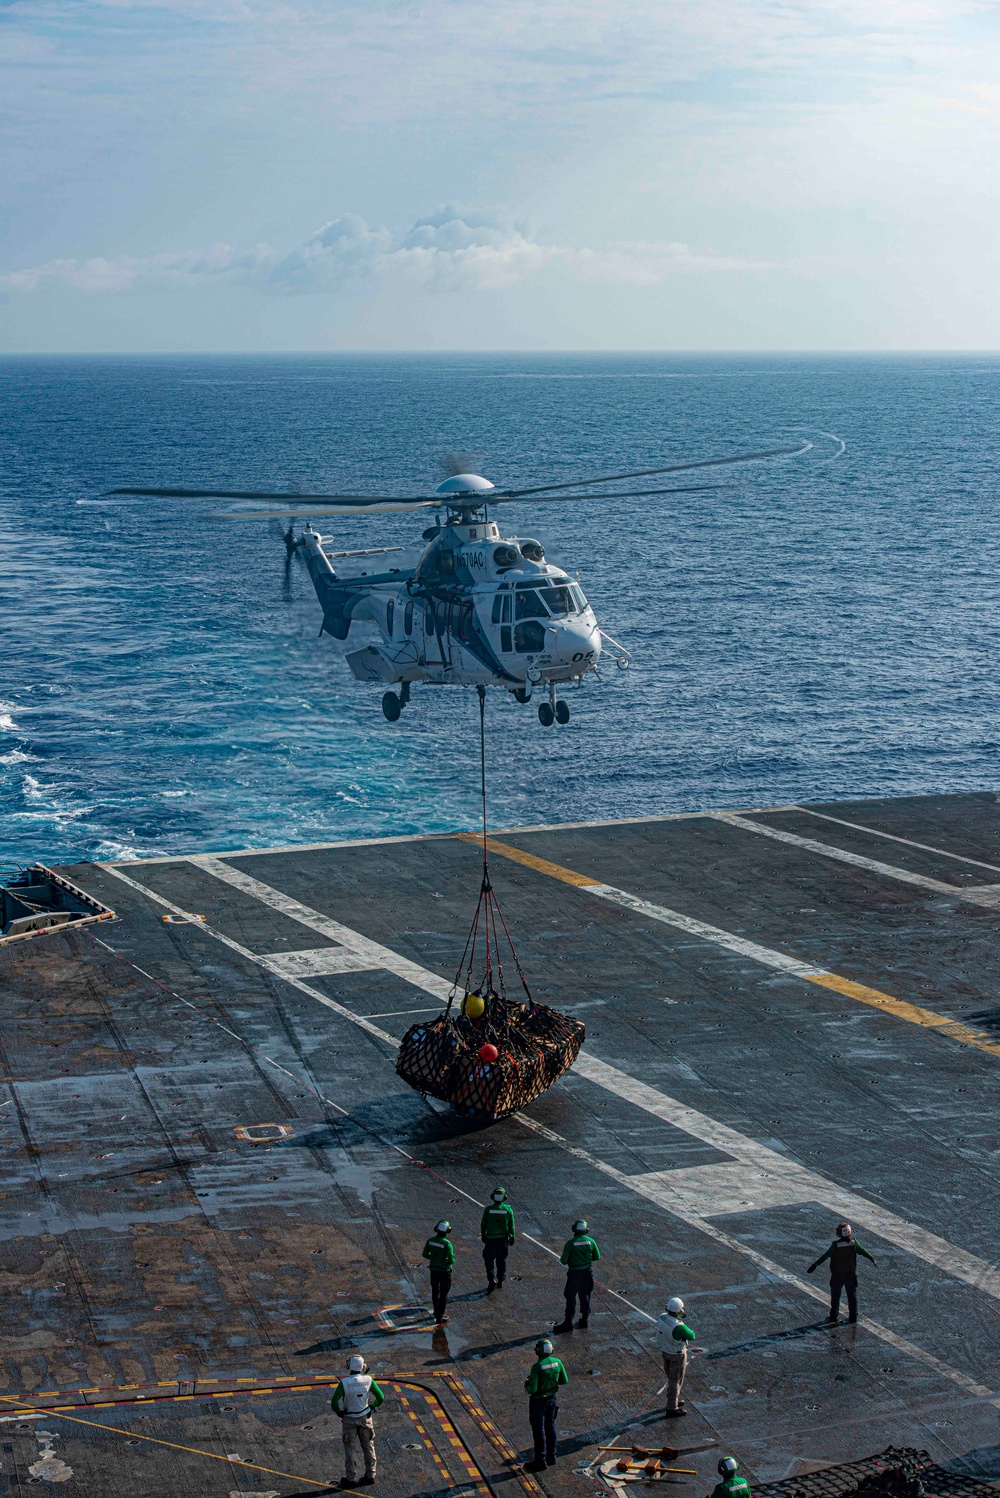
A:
{"points": [[891, 837], [766, 1177], [647, 1187], [973, 895], [425, 837], [766, 956]]}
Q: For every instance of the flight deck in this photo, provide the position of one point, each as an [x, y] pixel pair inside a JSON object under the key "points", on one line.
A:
{"points": [[793, 1019]]}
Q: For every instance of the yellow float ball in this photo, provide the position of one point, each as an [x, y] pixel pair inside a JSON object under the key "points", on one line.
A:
{"points": [[473, 1005]]}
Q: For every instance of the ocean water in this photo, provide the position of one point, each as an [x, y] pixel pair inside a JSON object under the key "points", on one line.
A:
{"points": [[823, 627]]}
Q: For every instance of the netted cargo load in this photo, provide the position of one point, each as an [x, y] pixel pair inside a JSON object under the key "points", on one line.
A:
{"points": [[495, 1063]]}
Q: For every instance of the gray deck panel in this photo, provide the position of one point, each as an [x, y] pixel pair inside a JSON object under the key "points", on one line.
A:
{"points": [[870, 1102]]}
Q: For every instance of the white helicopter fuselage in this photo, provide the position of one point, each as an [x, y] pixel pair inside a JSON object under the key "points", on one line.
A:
{"points": [[471, 607]]}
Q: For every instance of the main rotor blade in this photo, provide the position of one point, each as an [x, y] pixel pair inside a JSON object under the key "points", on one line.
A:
{"points": [[379, 508], [622, 494], [644, 473], [345, 499]]}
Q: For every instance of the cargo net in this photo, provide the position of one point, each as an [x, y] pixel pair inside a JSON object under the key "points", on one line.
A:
{"points": [[897, 1472], [487, 1054]]}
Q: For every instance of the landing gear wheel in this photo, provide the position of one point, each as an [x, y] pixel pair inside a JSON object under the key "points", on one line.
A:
{"points": [[520, 695], [562, 712], [391, 706], [546, 716]]}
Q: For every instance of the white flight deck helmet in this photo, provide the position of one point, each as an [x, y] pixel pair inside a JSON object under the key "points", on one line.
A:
{"points": [[580, 1226], [357, 1364], [443, 1226], [675, 1306], [844, 1230]]}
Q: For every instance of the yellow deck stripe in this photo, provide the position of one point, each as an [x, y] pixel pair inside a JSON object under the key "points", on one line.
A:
{"points": [[953, 1028], [134, 1435], [899, 1008], [554, 870]]}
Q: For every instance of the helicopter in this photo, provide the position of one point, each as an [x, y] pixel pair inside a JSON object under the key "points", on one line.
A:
{"points": [[465, 605]]}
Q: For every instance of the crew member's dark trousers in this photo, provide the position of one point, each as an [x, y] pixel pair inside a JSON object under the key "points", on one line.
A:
{"points": [[440, 1285], [542, 1412], [579, 1282], [850, 1284], [495, 1257]]}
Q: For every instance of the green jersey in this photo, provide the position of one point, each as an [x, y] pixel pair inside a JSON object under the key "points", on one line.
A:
{"points": [[546, 1375], [441, 1252], [498, 1222], [580, 1252], [843, 1256], [733, 1487]]}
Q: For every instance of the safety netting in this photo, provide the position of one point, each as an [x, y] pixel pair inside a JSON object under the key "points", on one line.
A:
{"points": [[487, 1054]]}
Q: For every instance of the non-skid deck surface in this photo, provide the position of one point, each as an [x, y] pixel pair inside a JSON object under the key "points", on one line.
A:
{"points": [[793, 1018]]}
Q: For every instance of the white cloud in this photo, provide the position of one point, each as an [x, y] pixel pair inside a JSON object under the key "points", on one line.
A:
{"points": [[125, 272], [451, 250]]}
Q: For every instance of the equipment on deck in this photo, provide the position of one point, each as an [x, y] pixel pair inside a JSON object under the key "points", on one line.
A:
{"points": [[494, 1063], [37, 899], [650, 1460], [464, 605]]}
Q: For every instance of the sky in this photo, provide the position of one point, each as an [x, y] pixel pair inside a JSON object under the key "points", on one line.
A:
{"points": [[269, 175]]}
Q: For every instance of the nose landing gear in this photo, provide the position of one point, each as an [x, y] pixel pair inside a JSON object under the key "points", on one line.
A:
{"points": [[392, 705]]}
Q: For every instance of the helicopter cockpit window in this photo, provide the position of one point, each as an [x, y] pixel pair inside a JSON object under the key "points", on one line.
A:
{"points": [[559, 600], [579, 597], [530, 606], [501, 608]]}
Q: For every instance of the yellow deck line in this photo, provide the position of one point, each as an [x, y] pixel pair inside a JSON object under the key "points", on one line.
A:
{"points": [[516, 855], [135, 1435], [913, 1014]]}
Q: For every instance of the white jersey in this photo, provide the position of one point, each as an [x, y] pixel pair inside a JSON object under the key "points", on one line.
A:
{"points": [[666, 1324], [356, 1387]]}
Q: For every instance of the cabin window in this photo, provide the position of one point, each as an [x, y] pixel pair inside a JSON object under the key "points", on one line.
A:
{"points": [[505, 644], [501, 608], [408, 618], [390, 611], [529, 637], [429, 620], [530, 606], [462, 617]]}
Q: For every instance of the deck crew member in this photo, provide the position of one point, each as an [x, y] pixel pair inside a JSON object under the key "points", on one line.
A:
{"points": [[354, 1399], [579, 1253], [843, 1255], [542, 1384], [440, 1252], [672, 1338], [497, 1232], [730, 1486]]}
